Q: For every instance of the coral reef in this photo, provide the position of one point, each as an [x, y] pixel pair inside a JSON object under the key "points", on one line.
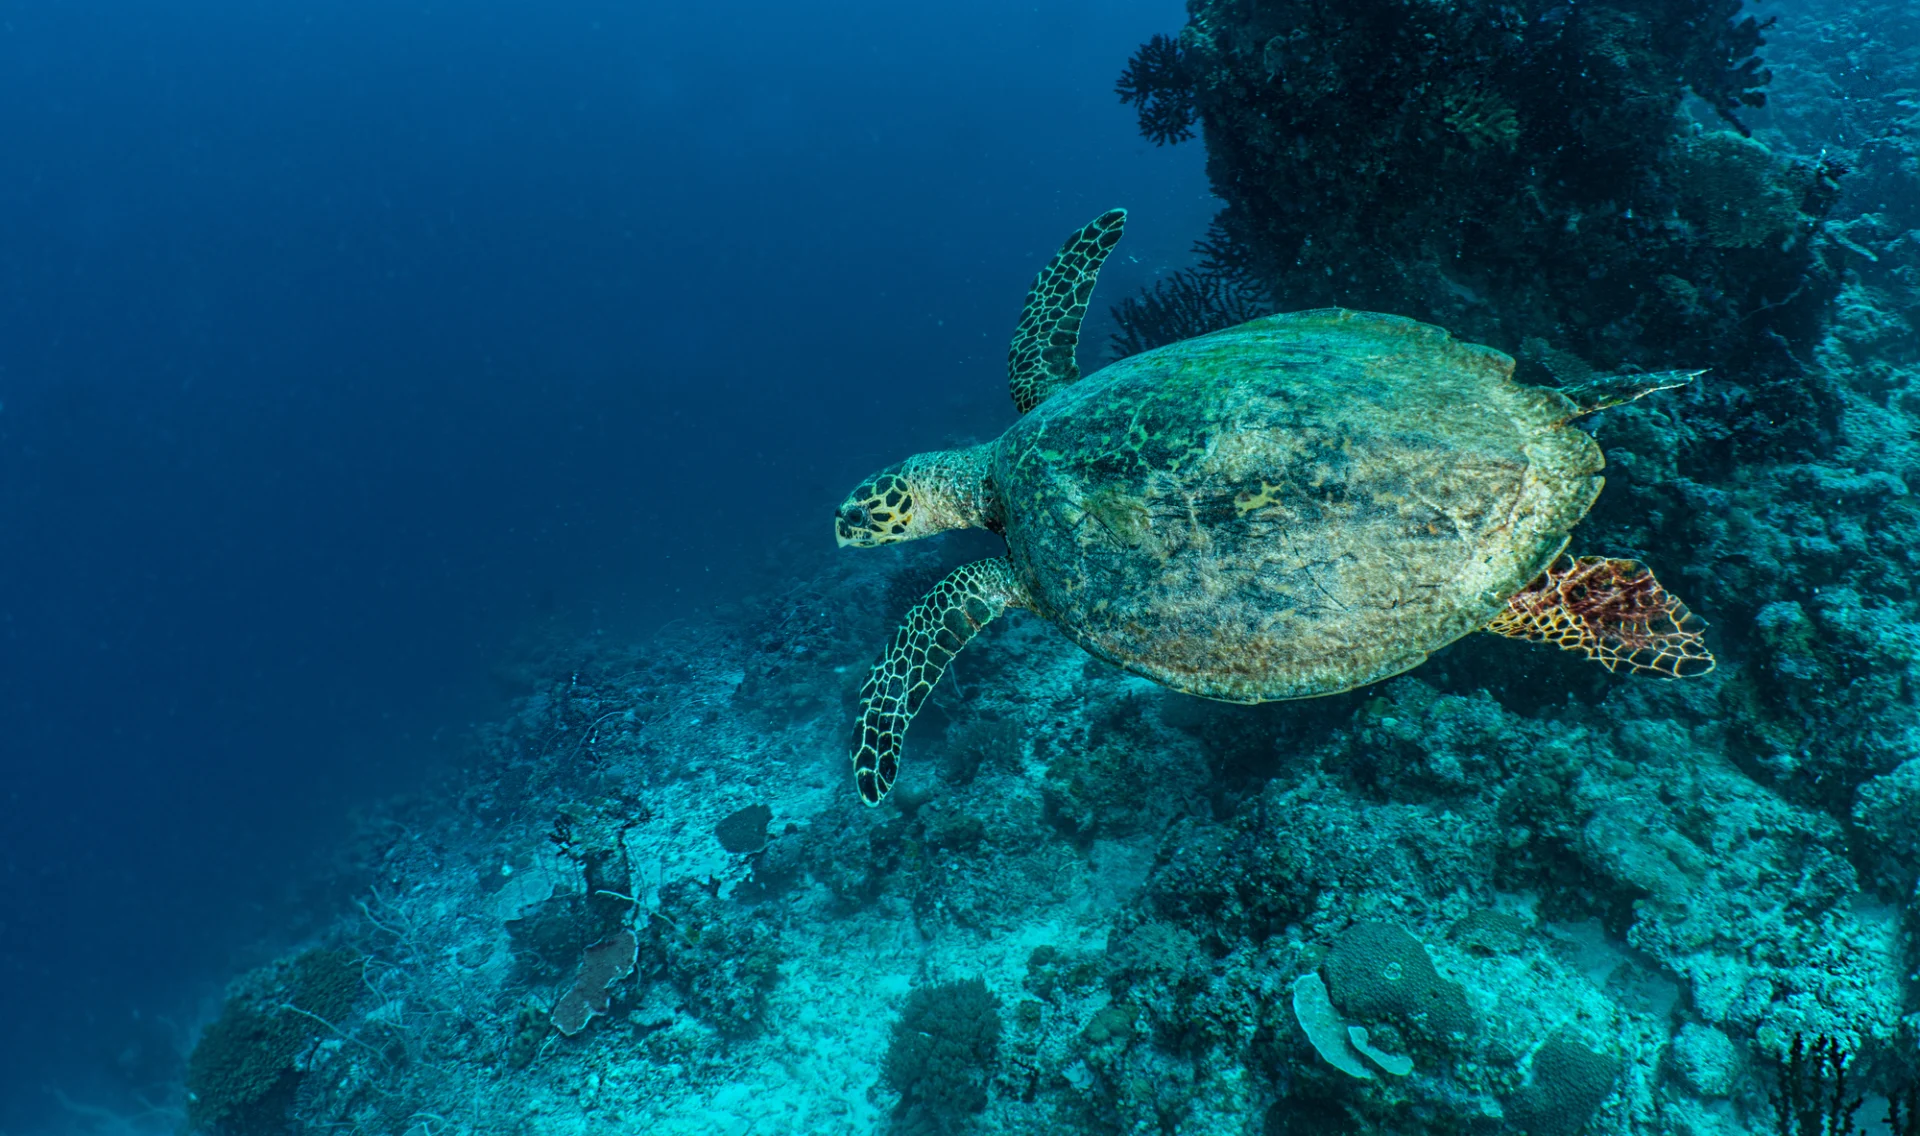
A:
{"points": [[1513, 172], [1738, 192], [1534, 896]]}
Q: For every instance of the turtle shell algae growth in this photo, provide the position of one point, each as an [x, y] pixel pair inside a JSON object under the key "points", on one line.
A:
{"points": [[1292, 507]]}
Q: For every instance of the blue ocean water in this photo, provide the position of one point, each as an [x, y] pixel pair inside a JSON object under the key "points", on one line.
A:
{"points": [[345, 344], [428, 671]]}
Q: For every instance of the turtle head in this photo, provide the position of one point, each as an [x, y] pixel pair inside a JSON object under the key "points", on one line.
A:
{"points": [[926, 494], [883, 509]]}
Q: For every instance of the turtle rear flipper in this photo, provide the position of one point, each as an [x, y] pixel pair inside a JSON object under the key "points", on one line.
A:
{"points": [[953, 612], [1612, 611], [1040, 361], [1603, 391]]}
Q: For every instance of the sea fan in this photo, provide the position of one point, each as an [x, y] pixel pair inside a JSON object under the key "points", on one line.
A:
{"points": [[1159, 84], [1193, 301]]}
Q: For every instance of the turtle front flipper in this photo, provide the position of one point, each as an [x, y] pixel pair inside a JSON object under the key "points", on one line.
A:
{"points": [[1040, 361], [1612, 611], [964, 601]]}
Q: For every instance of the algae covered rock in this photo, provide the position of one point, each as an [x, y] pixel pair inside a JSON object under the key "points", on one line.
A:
{"points": [[722, 959], [1705, 1059], [1888, 813], [1490, 932]]}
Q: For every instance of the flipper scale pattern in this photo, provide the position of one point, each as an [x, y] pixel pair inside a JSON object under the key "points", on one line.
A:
{"points": [[1041, 358], [1613, 612], [934, 631]]}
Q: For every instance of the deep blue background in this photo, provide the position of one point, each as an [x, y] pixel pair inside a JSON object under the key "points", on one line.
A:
{"points": [[341, 343]]}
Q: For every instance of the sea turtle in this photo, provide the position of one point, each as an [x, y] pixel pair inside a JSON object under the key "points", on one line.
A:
{"points": [[1296, 506]]}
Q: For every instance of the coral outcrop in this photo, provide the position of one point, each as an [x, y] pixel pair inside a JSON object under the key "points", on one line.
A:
{"points": [[1521, 174]]}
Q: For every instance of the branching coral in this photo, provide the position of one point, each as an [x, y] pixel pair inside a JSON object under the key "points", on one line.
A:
{"points": [[1481, 119], [242, 1075]]}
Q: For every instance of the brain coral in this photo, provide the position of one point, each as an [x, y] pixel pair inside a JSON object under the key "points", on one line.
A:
{"points": [[1377, 972], [1569, 1082]]}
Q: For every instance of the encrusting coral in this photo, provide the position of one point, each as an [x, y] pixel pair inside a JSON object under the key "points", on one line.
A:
{"points": [[243, 1074], [603, 964]]}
